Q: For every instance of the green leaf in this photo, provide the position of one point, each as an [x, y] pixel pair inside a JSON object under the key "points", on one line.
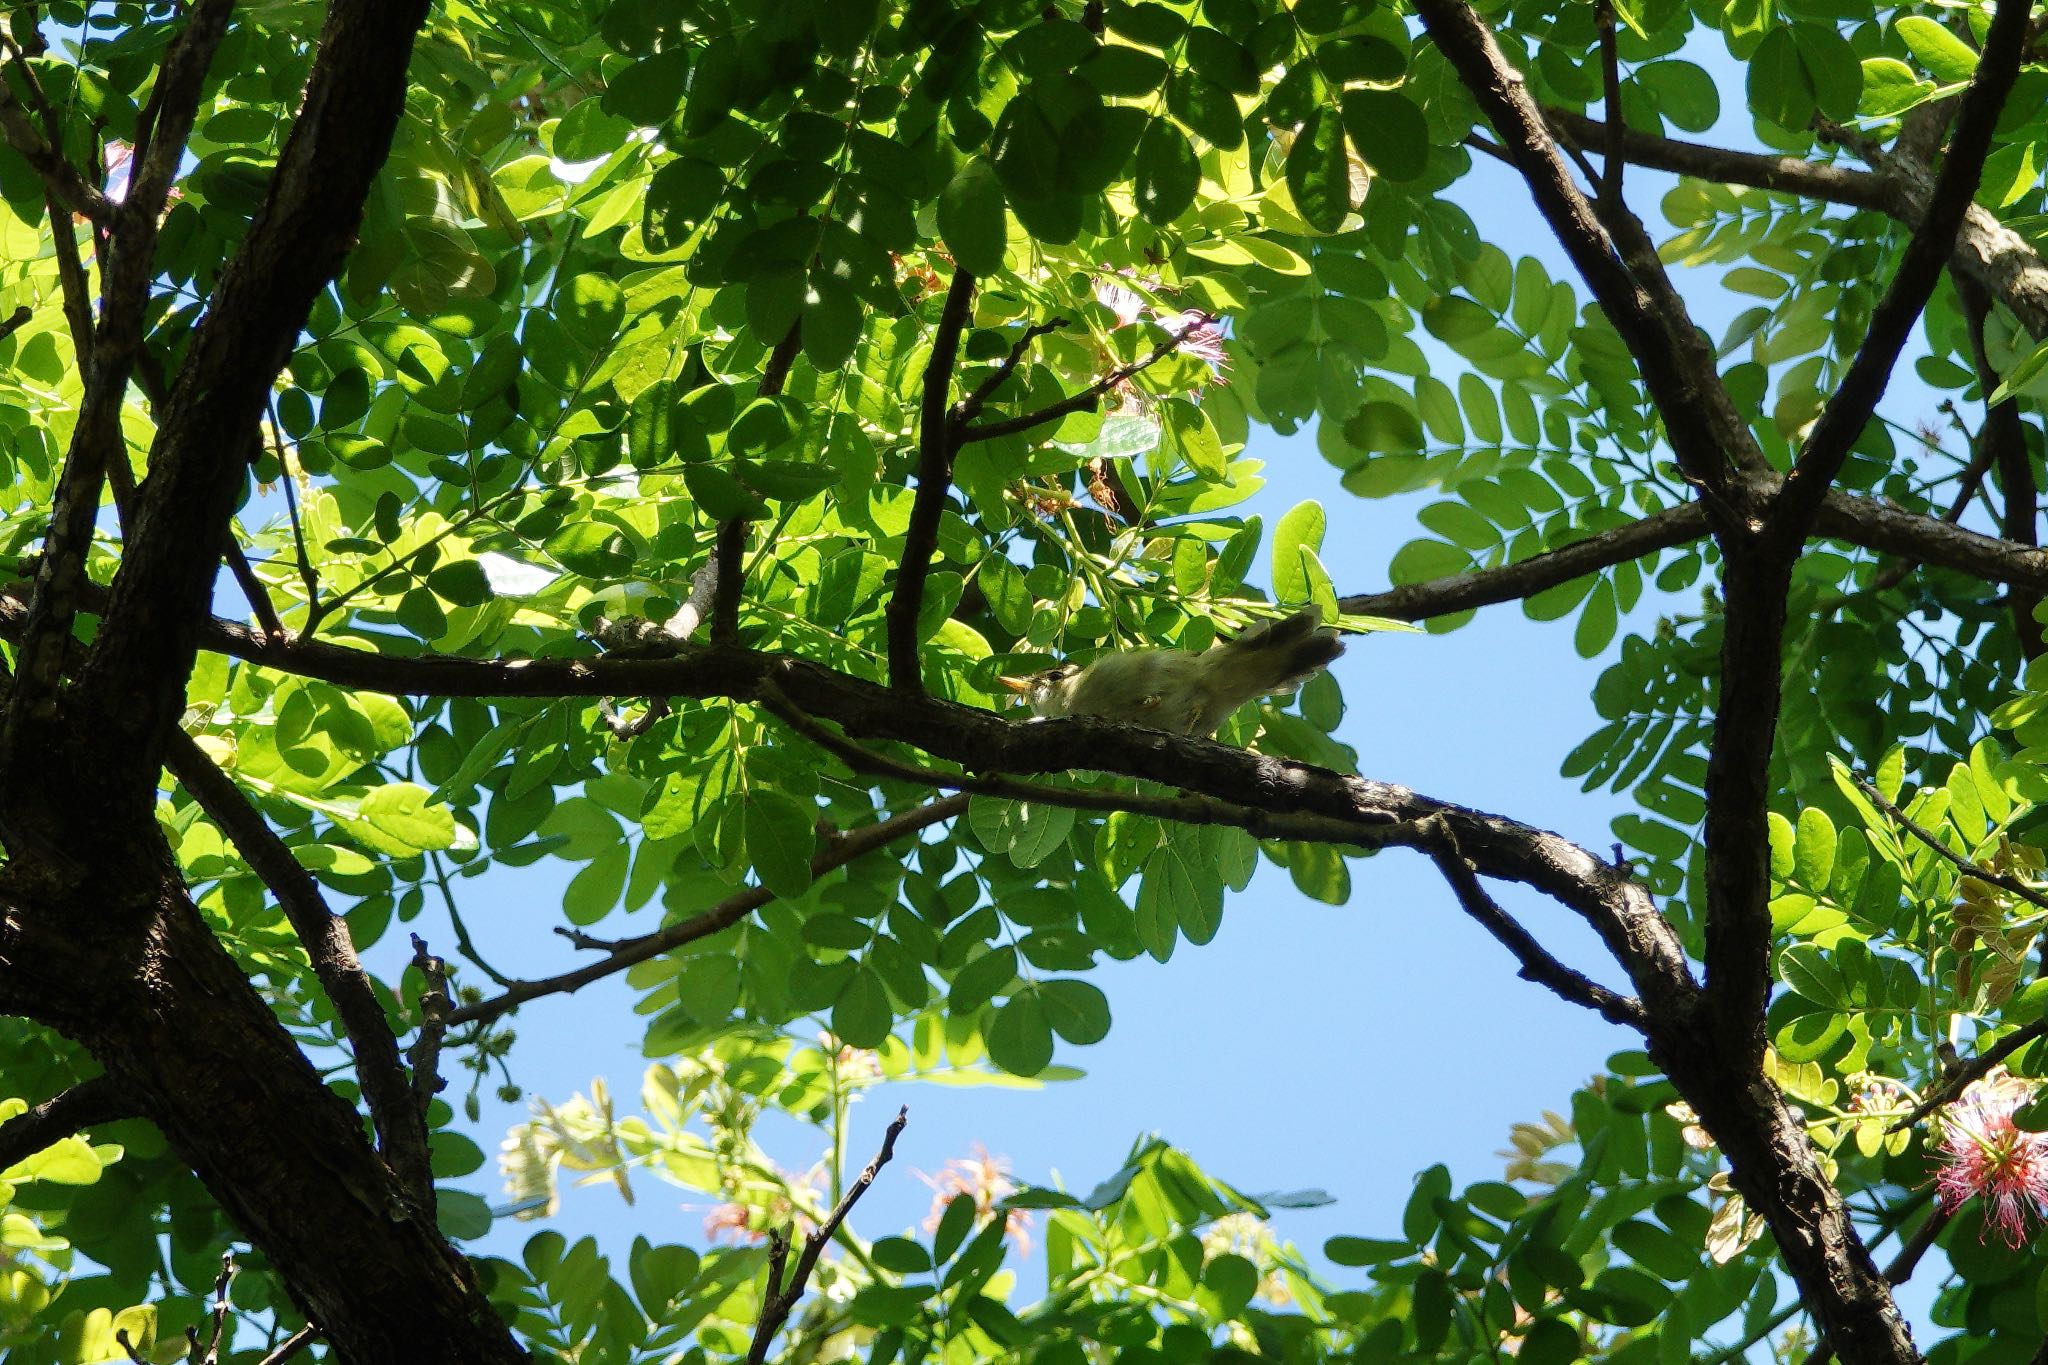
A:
{"points": [[403, 819], [591, 549], [1389, 131], [861, 1015], [589, 307], [1168, 173], [971, 218], [1300, 528], [1020, 1038], [1319, 172], [1815, 850], [832, 320], [651, 89], [1077, 1010], [1027, 831], [1946, 57], [781, 835]]}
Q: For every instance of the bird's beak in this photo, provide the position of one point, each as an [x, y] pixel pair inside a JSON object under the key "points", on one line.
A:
{"points": [[1018, 685]]}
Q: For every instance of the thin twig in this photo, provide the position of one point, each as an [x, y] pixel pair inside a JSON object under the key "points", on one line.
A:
{"points": [[730, 550], [728, 912], [1841, 421], [425, 1053], [285, 476], [292, 1345], [969, 408], [16, 320], [252, 587], [1612, 159], [2003, 881], [1086, 399], [778, 1301]]}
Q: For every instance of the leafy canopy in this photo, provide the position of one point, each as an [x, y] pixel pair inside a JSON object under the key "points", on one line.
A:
{"points": [[661, 309]]}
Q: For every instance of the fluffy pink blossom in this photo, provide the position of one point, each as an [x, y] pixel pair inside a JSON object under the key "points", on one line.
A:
{"points": [[986, 1180], [1201, 336], [1984, 1154]]}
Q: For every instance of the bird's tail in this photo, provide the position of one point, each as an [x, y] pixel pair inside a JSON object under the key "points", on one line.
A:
{"points": [[1275, 656]]}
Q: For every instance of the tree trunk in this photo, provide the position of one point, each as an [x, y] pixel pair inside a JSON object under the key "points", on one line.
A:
{"points": [[119, 959]]}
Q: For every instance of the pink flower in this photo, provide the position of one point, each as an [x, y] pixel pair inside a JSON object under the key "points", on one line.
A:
{"points": [[986, 1180], [1984, 1154]]}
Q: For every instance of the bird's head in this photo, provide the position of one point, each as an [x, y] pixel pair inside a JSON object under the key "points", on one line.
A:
{"points": [[1047, 692]]}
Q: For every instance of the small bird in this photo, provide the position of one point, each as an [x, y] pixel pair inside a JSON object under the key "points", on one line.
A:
{"points": [[1180, 690]]}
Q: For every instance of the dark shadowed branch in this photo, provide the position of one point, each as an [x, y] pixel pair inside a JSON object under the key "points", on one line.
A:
{"points": [[1537, 963], [938, 440], [730, 551], [325, 937], [1085, 400], [85, 1105], [1700, 420], [728, 912], [132, 683]]}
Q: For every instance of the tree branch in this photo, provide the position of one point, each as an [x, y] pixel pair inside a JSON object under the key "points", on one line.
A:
{"points": [[938, 439], [401, 1134], [969, 408], [133, 680], [1785, 174], [97, 443], [1841, 421], [1509, 582], [43, 157], [778, 1301], [85, 1105], [729, 553], [1700, 420], [728, 912], [1187, 808], [1612, 161], [1086, 399], [1537, 964]]}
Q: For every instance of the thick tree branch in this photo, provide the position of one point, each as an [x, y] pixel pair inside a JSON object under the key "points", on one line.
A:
{"points": [[1186, 808], [386, 1087], [938, 440], [1619, 910], [85, 1105], [779, 1300], [1537, 963], [728, 912], [1986, 250], [729, 554], [1841, 421], [133, 679]]}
